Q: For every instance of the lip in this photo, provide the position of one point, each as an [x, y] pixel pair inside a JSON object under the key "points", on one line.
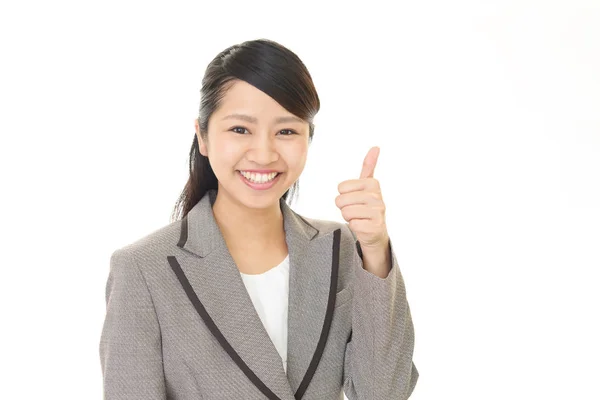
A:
{"points": [[259, 186], [260, 171]]}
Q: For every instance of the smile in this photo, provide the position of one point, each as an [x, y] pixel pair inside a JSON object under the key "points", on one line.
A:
{"points": [[261, 181]]}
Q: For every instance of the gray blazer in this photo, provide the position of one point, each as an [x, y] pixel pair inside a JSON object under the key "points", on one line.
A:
{"points": [[180, 324]]}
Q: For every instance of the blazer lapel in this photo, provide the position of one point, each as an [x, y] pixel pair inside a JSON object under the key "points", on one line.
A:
{"points": [[213, 284]]}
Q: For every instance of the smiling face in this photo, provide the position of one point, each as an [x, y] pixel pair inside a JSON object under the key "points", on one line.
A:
{"points": [[268, 138]]}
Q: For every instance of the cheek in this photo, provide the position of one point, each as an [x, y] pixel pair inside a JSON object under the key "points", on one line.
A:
{"points": [[226, 152], [295, 154]]}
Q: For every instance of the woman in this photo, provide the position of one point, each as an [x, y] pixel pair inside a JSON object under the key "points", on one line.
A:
{"points": [[239, 297]]}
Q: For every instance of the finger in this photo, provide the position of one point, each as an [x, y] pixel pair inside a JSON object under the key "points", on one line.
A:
{"points": [[364, 184], [357, 197], [370, 162], [360, 211]]}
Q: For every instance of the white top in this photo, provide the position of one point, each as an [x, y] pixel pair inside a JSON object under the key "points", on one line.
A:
{"points": [[269, 294]]}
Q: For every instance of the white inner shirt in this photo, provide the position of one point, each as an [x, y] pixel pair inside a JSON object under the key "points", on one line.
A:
{"points": [[269, 294]]}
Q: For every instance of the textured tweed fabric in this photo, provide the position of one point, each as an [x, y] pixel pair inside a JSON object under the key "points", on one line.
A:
{"points": [[180, 324]]}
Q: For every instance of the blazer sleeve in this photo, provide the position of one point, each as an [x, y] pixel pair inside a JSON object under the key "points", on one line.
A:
{"points": [[130, 342], [378, 359]]}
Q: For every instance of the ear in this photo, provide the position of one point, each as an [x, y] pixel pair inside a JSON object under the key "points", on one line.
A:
{"points": [[201, 144]]}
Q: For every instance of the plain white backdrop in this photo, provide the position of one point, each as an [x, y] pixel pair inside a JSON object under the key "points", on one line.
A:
{"points": [[487, 114]]}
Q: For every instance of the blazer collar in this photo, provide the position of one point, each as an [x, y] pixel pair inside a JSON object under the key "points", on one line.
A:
{"points": [[213, 284], [203, 234]]}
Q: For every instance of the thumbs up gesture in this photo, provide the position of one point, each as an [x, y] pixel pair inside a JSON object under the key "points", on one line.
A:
{"points": [[362, 206]]}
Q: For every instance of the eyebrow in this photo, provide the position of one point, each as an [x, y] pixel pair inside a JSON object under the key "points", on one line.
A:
{"points": [[253, 120]]}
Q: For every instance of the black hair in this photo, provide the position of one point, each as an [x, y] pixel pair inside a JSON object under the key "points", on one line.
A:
{"points": [[271, 68]]}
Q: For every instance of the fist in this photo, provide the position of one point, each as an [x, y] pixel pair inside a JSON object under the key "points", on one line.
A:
{"points": [[362, 206]]}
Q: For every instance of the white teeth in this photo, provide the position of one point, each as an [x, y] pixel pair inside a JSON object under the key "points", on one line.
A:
{"points": [[259, 178]]}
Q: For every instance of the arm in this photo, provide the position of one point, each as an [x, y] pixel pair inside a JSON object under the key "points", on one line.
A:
{"points": [[378, 361], [130, 343]]}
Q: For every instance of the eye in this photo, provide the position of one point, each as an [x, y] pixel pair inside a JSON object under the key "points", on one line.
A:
{"points": [[237, 127], [291, 131]]}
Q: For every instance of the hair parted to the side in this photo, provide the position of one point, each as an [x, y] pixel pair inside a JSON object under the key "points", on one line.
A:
{"points": [[271, 68]]}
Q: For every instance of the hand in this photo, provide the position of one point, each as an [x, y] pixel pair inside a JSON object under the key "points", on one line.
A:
{"points": [[362, 205]]}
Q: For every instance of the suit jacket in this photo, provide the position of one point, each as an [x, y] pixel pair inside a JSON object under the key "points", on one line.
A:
{"points": [[180, 324]]}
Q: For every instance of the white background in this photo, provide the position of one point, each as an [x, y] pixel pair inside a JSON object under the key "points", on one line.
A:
{"points": [[487, 116]]}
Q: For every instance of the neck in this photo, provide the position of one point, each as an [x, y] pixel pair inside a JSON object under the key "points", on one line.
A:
{"points": [[258, 227]]}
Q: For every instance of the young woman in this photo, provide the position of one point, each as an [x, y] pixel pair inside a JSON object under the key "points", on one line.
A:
{"points": [[239, 297]]}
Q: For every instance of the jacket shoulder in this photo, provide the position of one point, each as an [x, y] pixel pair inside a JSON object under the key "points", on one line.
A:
{"points": [[159, 241]]}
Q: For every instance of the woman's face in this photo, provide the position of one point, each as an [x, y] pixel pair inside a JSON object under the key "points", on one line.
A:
{"points": [[258, 142]]}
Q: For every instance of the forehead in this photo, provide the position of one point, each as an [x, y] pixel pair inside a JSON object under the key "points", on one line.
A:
{"points": [[244, 98]]}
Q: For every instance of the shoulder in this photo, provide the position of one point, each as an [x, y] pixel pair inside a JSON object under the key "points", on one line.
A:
{"points": [[156, 243]]}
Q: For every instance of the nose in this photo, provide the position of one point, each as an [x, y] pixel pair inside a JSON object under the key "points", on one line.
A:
{"points": [[262, 150]]}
